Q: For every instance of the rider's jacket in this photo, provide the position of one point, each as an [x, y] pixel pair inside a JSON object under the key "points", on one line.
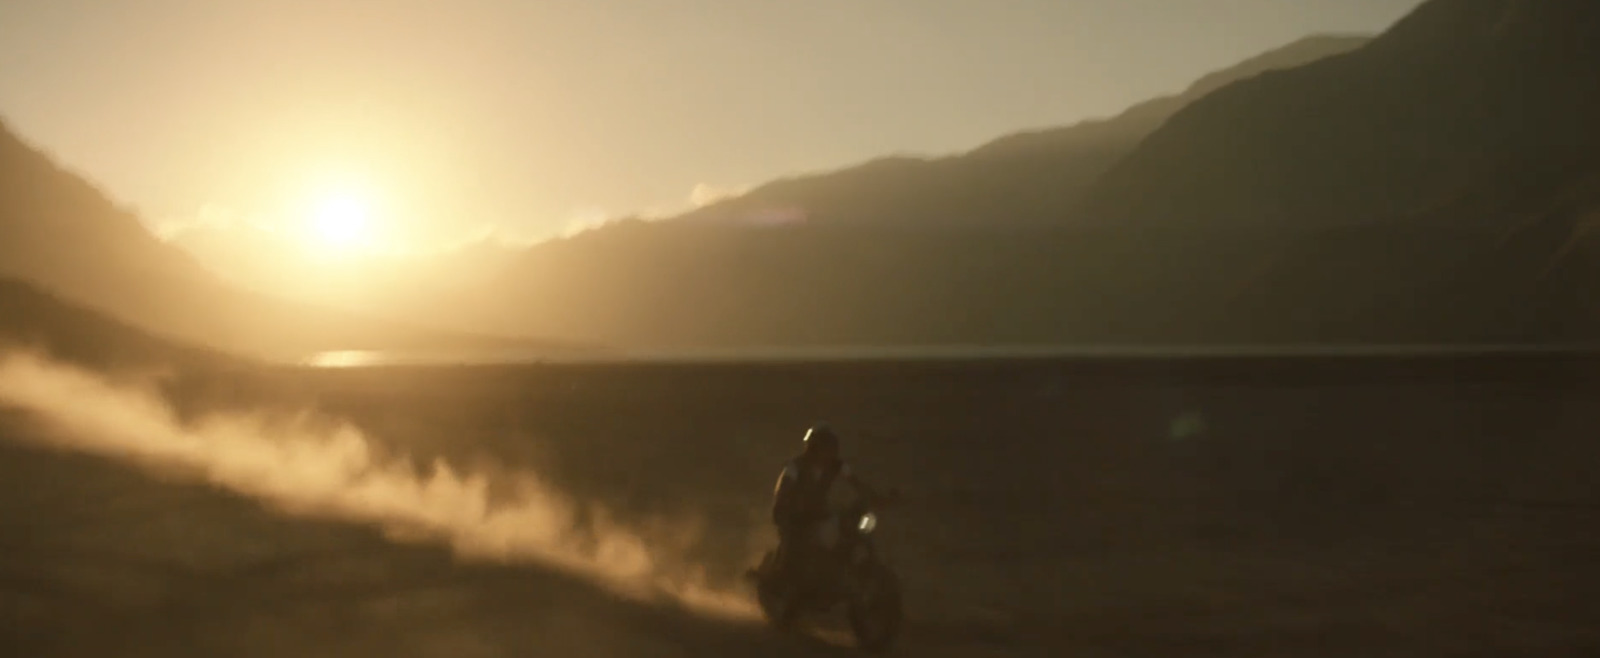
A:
{"points": [[806, 492]]}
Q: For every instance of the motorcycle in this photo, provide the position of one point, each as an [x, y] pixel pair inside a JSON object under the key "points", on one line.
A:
{"points": [[853, 574]]}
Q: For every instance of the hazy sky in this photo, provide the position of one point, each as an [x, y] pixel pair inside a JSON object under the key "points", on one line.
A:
{"points": [[528, 113]]}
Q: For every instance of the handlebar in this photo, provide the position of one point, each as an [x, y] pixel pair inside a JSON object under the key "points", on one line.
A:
{"points": [[888, 498]]}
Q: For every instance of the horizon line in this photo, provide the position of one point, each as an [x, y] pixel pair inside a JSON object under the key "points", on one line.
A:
{"points": [[336, 359]]}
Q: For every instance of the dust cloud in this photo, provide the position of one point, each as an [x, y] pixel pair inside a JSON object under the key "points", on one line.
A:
{"points": [[333, 471]]}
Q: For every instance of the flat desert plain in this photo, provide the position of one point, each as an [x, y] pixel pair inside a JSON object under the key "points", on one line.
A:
{"points": [[1275, 507]]}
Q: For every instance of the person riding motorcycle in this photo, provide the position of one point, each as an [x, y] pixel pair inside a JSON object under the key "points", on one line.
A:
{"points": [[800, 500]]}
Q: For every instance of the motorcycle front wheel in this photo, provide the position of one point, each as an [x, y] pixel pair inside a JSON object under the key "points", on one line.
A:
{"points": [[875, 610]]}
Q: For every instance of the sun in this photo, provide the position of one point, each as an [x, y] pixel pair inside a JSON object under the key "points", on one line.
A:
{"points": [[341, 222]]}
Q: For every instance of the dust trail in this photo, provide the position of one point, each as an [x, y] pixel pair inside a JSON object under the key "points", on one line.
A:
{"points": [[338, 473]]}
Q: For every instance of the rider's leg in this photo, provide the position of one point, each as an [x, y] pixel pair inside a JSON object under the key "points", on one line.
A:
{"points": [[818, 553], [792, 549], [798, 552], [785, 546]]}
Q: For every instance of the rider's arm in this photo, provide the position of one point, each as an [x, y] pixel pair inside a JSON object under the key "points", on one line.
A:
{"points": [[785, 502], [869, 492], [860, 485]]}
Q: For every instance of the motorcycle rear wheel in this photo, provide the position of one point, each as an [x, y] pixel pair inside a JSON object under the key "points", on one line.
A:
{"points": [[777, 606], [876, 612]]}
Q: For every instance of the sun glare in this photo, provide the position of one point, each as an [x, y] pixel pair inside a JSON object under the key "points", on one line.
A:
{"points": [[341, 222]]}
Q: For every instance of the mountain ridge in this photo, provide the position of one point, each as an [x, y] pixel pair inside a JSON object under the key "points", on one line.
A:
{"points": [[1069, 157], [1456, 94], [1441, 234]]}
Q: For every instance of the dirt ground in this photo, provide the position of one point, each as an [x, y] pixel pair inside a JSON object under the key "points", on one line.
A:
{"points": [[1050, 510]]}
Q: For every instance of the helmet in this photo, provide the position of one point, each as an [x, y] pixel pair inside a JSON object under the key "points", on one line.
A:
{"points": [[821, 437]]}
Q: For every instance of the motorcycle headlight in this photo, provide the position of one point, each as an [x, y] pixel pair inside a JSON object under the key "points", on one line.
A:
{"points": [[867, 523]]}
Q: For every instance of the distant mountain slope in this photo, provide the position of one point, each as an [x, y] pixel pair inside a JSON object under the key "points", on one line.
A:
{"points": [[58, 231], [1531, 278], [1027, 177], [1428, 187], [1435, 185], [33, 319], [1447, 179], [1463, 98], [876, 230], [833, 287]]}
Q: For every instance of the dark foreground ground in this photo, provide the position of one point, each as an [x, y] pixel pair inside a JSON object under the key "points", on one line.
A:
{"points": [[1053, 509]]}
